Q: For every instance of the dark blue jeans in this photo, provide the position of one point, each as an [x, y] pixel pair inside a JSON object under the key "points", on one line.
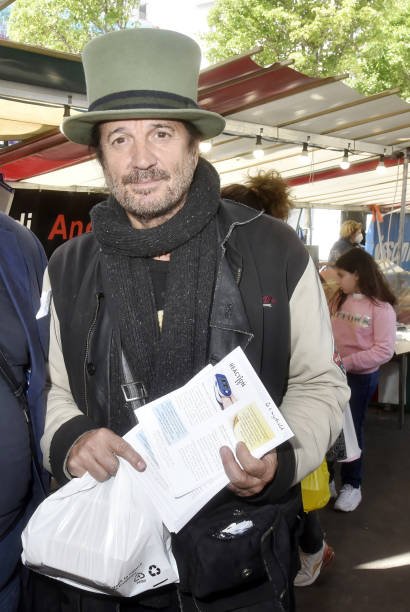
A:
{"points": [[362, 387]]}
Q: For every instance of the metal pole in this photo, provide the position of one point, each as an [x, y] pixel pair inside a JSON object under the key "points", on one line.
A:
{"points": [[309, 224], [400, 238]]}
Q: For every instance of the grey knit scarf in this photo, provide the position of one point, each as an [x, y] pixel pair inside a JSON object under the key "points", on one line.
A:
{"points": [[164, 360]]}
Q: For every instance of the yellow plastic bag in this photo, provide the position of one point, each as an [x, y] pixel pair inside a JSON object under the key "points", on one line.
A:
{"points": [[315, 488]]}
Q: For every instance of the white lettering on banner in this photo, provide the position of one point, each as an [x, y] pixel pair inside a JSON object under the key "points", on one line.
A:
{"points": [[390, 250], [26, 221]]}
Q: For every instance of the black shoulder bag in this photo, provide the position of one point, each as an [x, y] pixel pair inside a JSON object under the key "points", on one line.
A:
{"points": [[240, 546], [19, 391]]}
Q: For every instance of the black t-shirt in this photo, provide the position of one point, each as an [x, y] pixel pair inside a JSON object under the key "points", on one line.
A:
{"points": [[159, 270]]}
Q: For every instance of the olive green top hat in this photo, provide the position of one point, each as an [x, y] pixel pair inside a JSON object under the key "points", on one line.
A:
{"points": [[141, 74]]}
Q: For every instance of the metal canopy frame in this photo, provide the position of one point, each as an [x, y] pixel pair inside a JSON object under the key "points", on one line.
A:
{"points": [[5, 3], [291, 108]]}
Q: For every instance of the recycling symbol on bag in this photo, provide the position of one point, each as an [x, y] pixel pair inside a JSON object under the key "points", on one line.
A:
{"points": [[153, 570]]}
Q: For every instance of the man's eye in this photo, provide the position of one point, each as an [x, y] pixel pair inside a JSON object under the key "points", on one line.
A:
{"points": [[163, 134], [118, 140]]}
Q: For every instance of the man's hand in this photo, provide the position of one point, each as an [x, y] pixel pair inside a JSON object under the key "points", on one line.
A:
{"points": [[97, 452], [254, 474]]}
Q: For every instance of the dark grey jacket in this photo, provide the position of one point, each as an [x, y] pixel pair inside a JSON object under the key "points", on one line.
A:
{"points": [[267, 299]]}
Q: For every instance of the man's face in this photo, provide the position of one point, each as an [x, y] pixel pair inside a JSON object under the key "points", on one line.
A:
{"points": [[148, 166]]}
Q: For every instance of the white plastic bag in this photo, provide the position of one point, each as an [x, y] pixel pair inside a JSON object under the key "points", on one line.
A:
{"points": [[105, 537], [353, 450]]}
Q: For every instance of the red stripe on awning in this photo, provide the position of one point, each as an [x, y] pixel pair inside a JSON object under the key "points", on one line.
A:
{"points": [[42, 155], [331, 173]]}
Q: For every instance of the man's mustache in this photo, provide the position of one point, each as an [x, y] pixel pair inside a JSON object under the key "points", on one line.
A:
{"points": [[139, 176]]}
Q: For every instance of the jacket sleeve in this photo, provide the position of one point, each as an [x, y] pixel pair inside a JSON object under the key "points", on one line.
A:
{"points": [[333, 255], [65, 422], [384, 336], [317, 390]]}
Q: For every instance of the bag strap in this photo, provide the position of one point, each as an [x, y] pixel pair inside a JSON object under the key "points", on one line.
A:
{"points": [[133, 391], [19, 391]]}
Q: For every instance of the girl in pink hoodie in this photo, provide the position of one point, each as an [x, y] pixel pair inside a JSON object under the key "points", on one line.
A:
{"points": [[364, 328]]}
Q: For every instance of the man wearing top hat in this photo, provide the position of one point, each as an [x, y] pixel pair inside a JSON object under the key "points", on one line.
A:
{"points": [[220, 274]]}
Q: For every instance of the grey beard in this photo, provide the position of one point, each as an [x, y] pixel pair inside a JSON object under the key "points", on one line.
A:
{"points": [[171, 200]]}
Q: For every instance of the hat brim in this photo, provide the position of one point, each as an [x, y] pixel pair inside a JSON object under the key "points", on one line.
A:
{"points": [[78, 128]]}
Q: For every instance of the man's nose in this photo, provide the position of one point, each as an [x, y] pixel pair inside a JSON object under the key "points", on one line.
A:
{"points": [[142, 155]]}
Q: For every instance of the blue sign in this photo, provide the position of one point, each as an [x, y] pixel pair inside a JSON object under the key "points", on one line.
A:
{"points": [[389, 248]]}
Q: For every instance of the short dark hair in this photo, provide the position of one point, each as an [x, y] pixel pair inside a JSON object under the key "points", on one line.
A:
{"points": [[95, 140]]}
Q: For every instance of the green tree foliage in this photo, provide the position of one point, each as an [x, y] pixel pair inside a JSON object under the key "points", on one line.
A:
{"points": [[384, 61], [67, 25], [368, 39]]}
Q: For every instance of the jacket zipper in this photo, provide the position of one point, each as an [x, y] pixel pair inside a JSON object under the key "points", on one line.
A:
{"points": [[270, 534], [90, 332]]}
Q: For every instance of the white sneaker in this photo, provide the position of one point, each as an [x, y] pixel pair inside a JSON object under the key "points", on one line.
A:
{"points": [[311, 565], [349, 498], [332, 489]]}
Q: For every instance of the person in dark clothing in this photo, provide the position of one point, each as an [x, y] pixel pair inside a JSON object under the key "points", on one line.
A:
{"points": [[351, 235], [112, 297], [24, 328]]}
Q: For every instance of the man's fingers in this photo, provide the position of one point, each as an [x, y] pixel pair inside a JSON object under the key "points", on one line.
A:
{"points": [[251, 465], [125, 450], [251, 475], [97, 452], [231, 466], [109, 467], [100, 471], [242, 473]]}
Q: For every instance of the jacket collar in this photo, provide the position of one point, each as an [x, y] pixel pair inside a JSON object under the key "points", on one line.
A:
{"points": [[231, 324]]}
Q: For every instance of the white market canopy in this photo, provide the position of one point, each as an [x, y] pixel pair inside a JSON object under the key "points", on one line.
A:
{"points": [[283, 106]]}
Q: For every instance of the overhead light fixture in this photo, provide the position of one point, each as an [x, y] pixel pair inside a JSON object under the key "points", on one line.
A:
{"points": [[304, 154], [345, 164], [258, 151], [67, 106], [205, 146], [381, 167]]}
